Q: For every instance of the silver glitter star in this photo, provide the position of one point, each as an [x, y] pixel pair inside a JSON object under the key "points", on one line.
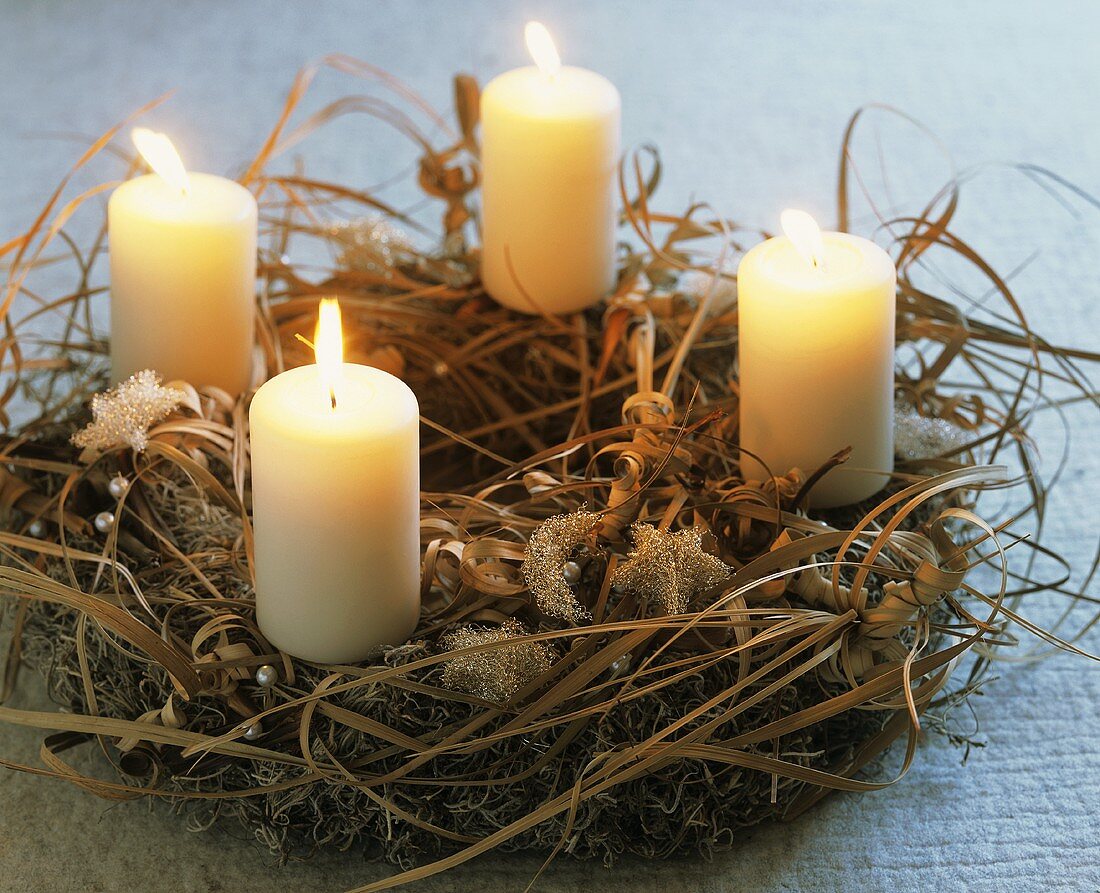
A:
{"points": [[696, 283], [924, 437], [124, 414], [369, 244]]}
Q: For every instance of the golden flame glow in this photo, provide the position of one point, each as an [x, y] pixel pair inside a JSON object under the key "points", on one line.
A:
{"points": [[804, 232], [162, 157], [541, 47], [328, 346]]}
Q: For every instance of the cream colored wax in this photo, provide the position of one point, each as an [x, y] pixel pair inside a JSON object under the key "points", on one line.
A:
{"points": [[183, 269], [549, 155], [816, 363], [336, 512]]}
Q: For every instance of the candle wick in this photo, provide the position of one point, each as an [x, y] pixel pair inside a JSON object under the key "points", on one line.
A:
{"points": [[332, 395]]}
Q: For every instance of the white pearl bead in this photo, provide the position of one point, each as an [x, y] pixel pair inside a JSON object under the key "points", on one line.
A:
{"points": [[37, 528], [254, 731], [572, 572], [267, 675], [118, 486], [104, 521]]}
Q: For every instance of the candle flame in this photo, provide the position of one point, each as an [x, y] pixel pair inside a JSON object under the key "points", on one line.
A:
{"points": [[541, 47], [328, 346], [162, 157], [804, 232]]}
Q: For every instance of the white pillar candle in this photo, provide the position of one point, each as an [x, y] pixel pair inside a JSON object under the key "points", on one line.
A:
{"points": [[816, 358], [336, 506], [549, 155], [183, 271]]}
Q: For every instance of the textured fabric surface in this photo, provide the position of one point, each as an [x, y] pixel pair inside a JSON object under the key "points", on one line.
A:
{"points": [[747, 103]]}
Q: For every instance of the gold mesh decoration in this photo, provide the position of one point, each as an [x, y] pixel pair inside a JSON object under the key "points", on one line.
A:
{"points": [[496, 673], [548, 550], [669, 568]]}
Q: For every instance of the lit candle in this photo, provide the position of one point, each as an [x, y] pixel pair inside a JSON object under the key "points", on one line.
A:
{"points": [[335, 505], [549, 153], [183, 271], [816, 358]]}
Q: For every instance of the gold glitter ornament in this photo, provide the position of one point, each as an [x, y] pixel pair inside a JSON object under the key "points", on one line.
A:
{"points": [[497, 673], [548, 550], [124, 414], [669, 568]]}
